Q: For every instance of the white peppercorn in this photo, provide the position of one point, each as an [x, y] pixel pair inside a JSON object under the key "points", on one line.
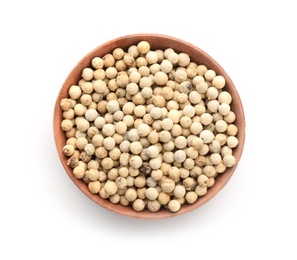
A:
{"points": [[151, 182], [156, 174], [217, 116], [174, 115], [115, 198], [74, 92], [114, 153], [131, 194], [68, 150], [156, 112], [159, 101], [221, 126], [206, 119], [123, 172], [93, 164], [140, 181], [108, 129], [211, 182], [139, 110], [224, 109], [185, 87], [92, 131], [94, 186], [128, 120], [174, 205], [152, 193], [107, 163], [66, 124], [226, 150], [89, 149], [138, 205], [194, 97], [196, 128], [191, 70], [155, 163], [109, 143], [163, 198], [207, 136], [185, 122], [221, 138], [143, 47], [189, 163], [202, 180], [79, 172], [232, 130], [225, 97], [120, 127], [164, 136], [81, 142], [212, 93], [144, 71], [123, 200], [110, 187], [128, 108], [151, 57], [230, 117], [229, 160], [209, 75], [179, 156], [189, 111], [135, 161], [92, 174], [112, 106], [97, 63], [191, 197], [201, 87], [133, 135], [221, 167], [97, 140], [232, 141], [160, 78], [167, 185], [180, 76], [173, 57], [209, 170], [141, 194], [213, 105], [147, 92], [100, 86], [180, 142], [152, 151], [184, 59], [179, 191], [135, 147], [189, 183], [204, 149], [153, 205], [166, 66], [218, 82], [66, 104]]}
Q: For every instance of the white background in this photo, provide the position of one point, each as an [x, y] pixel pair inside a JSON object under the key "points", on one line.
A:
{"points": [[44, 215]]}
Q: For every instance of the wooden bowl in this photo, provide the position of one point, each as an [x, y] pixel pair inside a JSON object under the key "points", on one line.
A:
{"points": [[157, 41]]}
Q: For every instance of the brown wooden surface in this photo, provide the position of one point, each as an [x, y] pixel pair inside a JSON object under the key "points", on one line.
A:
{"points": [[157, 41]]}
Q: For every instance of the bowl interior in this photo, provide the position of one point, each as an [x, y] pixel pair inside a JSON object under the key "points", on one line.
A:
{"points": [[157, 42]]}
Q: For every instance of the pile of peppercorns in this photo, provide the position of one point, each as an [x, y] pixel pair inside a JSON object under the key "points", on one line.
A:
{"points": [[148, 128]]}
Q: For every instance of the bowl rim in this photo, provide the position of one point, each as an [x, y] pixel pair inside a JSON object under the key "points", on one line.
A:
{"points": [[162, 41]]}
